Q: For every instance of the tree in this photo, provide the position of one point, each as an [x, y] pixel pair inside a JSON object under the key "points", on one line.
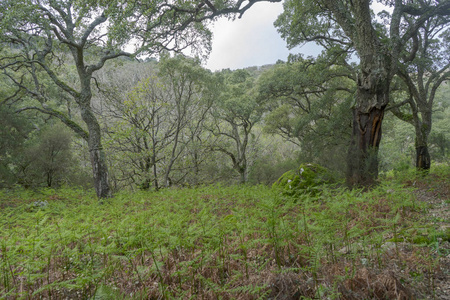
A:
{"points": [[45, 34], [309, 100], [192, 89], [440, 135], [13, 134], [347, 24], [154, 123], [422, 77], [47, 158], [235, 113]]}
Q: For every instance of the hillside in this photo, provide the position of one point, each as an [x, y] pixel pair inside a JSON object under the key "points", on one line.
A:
{"points": [[238, 242]]}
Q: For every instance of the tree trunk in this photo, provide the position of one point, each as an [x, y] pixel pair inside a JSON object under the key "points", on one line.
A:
{"points": [[100, 171], [243, 174], [372, 96], [423, 129], [96, 153], [377, 67], [371, 99], [155, 169], [363, 154], [423, 159]]}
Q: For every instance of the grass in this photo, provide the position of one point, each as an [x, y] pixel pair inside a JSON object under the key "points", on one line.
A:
{"points": [[218, 242]]}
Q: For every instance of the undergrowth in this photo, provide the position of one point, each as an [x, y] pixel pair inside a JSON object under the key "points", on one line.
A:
{"points": [[218, 242]]}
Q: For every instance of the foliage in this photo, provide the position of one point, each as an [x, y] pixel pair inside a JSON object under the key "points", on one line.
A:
{"points": [[43, 159], [51, 156], [234, 114], [215, 242], [309, 106], [175, 123], [422, 76], [440, 132], [398, 151], [275, 157], [157, 120], [13, 132]]}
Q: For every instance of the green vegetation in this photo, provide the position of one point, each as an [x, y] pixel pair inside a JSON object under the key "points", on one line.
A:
{"points": [[216, 242], [305, 180], [160, 179]]}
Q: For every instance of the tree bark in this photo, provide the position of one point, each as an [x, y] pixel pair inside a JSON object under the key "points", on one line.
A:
{"points": [[423, 159], [363, 153], [100, 172], [96, 153], [372, 97], [377, 68], [423, 129], [243, 171]]}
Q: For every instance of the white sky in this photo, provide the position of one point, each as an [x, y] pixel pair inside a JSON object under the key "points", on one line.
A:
{"points": [[251, 40]]}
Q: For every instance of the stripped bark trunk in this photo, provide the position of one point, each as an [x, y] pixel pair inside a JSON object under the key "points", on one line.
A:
{"points": [[423, 159], [372, 96], [363, 154], [377, 68], [423, 129]]}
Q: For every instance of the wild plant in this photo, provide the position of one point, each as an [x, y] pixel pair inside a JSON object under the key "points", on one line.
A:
{"points": [[215, 242]]}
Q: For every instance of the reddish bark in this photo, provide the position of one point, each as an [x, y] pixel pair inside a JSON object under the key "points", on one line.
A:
{"points": [[363, 154]]}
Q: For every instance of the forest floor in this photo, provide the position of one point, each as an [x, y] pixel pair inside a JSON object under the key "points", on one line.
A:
{"points": [[237, 242], [435, 192]]}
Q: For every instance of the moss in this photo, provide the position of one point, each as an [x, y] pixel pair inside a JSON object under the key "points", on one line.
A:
{"points": [[421, 240], [421, 237], [306, 179], [408, 117], [444, 235]]}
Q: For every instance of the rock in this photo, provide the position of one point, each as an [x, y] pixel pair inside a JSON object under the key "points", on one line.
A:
{"points": [[40, 204], [305, 180]]}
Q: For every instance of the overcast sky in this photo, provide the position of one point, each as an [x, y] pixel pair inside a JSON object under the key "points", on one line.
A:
{"points": [[251, 40]]}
